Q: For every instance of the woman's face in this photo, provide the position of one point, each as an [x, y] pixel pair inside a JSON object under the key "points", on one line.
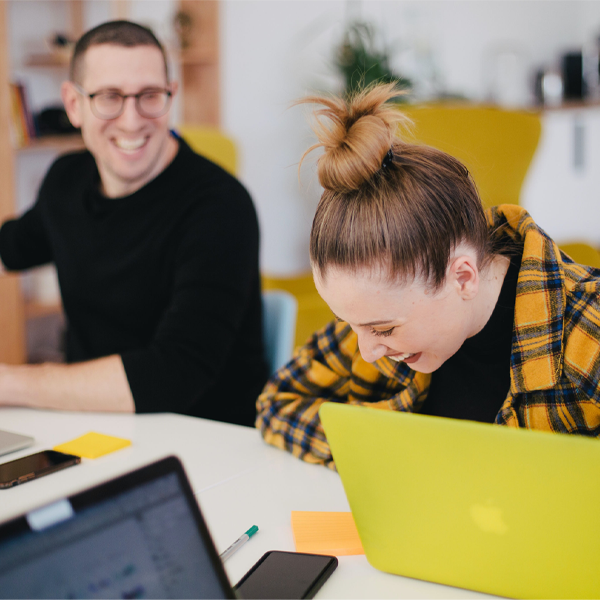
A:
{"points": [[405, 322]]}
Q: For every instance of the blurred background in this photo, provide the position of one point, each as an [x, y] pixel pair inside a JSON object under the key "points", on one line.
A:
{"points": [[242, 63]]}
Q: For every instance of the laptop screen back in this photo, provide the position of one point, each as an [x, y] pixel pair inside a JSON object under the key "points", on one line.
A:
{"points": [[506, 511], [140, 536]]}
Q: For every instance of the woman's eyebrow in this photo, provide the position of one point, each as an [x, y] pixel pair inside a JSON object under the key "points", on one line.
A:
{"points": [[376, 323], [371, 324]]}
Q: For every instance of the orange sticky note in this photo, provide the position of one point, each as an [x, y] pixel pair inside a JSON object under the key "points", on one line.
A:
{"points": [[92, 445], [326, 533]]}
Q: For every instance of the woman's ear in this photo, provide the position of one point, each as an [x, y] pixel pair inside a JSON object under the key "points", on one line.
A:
{"points": [[71, 100], [464, 274]]}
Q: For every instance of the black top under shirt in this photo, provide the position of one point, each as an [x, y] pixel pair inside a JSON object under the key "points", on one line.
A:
{"points": [[167, 277], [474, 383]]}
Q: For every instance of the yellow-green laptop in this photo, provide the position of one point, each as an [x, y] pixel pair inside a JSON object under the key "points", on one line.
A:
{"points": [[483, 507]]}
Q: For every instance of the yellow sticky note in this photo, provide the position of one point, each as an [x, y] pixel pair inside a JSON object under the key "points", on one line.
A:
{"points": [[93, 445], [326, 533]]}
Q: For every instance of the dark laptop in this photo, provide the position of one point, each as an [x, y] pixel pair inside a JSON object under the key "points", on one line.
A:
{"points": [[138, 536]]}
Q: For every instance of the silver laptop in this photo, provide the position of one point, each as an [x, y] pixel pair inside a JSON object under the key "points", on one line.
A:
{"points": [[11, 442]]}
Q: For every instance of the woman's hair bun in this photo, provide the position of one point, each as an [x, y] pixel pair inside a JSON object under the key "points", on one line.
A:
{"points": [[356, 135]]}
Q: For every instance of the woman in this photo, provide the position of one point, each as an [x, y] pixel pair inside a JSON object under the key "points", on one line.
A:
{"points": [[441, 308]]}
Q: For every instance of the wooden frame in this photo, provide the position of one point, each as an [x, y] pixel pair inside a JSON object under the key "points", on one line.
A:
{"points": [[200, 64], [12, 315]]}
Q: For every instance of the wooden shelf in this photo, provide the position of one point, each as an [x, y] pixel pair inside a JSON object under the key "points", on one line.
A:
{"points": [[571, 104], [197, 56], [35, 309], [200, 64], [57, 59], [60, 143]]}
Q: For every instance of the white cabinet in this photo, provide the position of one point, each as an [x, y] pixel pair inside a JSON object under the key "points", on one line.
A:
{"points": [[562, 188]]}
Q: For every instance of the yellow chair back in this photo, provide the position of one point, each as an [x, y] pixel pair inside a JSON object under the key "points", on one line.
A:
{"points": [[496, 145], [211, 143], [582, 253]]}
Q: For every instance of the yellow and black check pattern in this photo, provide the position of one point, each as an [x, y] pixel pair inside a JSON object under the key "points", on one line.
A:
{"points": [[555, 359]]}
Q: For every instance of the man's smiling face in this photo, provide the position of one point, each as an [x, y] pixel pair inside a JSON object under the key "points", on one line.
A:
{"points": [[130, 150]]}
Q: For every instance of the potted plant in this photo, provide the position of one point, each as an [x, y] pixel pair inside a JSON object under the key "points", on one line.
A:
{"points": [[362, 63]]}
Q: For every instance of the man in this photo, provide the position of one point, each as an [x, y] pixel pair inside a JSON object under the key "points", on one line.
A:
{"points": [[156, 250]]}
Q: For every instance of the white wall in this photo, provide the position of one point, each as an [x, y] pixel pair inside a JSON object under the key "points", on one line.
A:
{"points": [[562, 188], [276, 51], [273, 53], [589, 19]]}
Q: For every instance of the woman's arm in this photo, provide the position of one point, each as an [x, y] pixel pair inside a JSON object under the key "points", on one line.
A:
{"points": [[328, 368]]}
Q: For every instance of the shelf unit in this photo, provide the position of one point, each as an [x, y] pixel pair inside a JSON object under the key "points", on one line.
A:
{"points": [[199, 64], [59, 143], [12, 313]]}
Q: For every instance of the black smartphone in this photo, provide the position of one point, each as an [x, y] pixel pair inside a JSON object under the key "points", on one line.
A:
{"points": [[34, 466], [286, 575]]}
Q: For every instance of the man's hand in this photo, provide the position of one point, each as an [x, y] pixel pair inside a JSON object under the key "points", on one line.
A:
{"points": [[96, 385]]}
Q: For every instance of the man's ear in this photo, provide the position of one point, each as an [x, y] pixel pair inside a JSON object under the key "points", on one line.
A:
{"points": [[71, 100], [465, 275], [174, 87]]}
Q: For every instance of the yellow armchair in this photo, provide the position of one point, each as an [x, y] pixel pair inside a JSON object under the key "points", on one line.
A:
{"points": [[582, 253], [212, 143], [495, 144]]}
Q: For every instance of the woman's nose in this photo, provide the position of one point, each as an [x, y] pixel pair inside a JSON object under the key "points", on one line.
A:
{"points": [[371, 349]]}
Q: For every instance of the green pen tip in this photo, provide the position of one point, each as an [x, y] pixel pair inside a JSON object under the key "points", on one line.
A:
{"points": [[252, 531]]}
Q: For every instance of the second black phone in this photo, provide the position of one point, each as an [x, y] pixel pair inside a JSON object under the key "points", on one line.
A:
{"points": [[291, 575]]}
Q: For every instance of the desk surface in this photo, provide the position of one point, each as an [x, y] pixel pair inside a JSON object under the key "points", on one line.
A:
{"points": [[238, 479]]}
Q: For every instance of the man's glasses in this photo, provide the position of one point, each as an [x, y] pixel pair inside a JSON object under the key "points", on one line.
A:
{"points": [[108, 104]]}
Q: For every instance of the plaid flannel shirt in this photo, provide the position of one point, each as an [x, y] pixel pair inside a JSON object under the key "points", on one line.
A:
{"points": [[555, 358]]}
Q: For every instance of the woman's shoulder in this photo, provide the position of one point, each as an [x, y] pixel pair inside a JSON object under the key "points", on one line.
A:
{"points": [[581, 284], [581, 341]]}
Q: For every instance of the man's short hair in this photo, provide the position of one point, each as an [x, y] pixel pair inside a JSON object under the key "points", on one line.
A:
{"points": [[118, 33]]}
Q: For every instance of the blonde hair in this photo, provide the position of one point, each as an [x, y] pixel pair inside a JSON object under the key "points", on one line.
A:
{"points": [[388, 203]]}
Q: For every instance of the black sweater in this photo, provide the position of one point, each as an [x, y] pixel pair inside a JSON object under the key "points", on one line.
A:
{"points": [[166, 277]]}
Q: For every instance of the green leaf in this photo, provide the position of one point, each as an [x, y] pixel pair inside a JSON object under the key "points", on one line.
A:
{"points": [[361, 64]]}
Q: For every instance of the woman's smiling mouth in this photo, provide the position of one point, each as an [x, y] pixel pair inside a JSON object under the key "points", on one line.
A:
{"points": [[407, 357]]}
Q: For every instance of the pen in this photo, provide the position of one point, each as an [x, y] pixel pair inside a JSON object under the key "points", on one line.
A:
{"points": [[239, 542]]}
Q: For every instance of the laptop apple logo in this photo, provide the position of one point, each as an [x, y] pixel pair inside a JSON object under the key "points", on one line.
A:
{"points": [[488, 517]]}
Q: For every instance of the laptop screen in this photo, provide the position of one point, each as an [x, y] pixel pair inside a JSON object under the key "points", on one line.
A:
{"points": [[140, 536]]}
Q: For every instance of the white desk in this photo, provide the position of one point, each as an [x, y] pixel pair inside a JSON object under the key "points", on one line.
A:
{"points": [[238, 479]]}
